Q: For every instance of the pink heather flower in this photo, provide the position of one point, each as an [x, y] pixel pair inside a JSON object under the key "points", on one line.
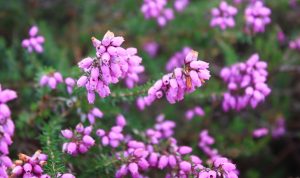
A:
{"points": [[246, 83], [180, 5], [181, 81], [114, 137], [278, 129], [151, 48], [112, 63], [7, 128], [223, 16], [94, 113], [70, 82], [156, 9], [196, 111], [205, 142], [66, 175], [34, 42], [80, 140], [281, 37], [183, 150], [295, 44], [177, 60], [134, 67], [257, 17], [261, 132], [51, 79], [28, 166]]}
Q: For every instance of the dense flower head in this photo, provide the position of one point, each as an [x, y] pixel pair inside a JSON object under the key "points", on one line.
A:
{"points": [[114, 137], [177, 60], [295, 44], [151, 48], [30, 166], [51, 79], [257, 17], [195, 111], [246, 84], [156, 9], [79, 140], [181, 81], [111, 63], [223, 16], [7, 128], [34, 42]]}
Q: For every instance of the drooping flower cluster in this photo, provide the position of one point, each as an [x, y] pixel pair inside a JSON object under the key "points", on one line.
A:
{"points": [[223, 16], [246, 83], [7, 128], [156, 9], [257, 17], [34, 42], [151, 48], [260, 132], [295, 44], [111, 63], [196, 111], [221, 166], [177, 60], [176, 84], [80, 140], [93, 114], [51, 80], [114, 137], [30, 166]]}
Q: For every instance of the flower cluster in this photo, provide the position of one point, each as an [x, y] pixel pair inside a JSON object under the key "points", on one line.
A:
{"points": [[196, 111], [51, 79], [163, 129], [7, 128], [93, 114], [221, 166], [30, 166], [205, 142], [246, 83], [34, 42], [111, 63], [114, 137], [223, 16], [156, 9], [80, 140], [161, 151], [176, 84], [295, 44], [257, 17], [151, 48], [177, 60]]}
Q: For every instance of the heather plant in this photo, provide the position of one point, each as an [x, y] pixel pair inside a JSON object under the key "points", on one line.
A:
{"points": [[97, 89]]}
